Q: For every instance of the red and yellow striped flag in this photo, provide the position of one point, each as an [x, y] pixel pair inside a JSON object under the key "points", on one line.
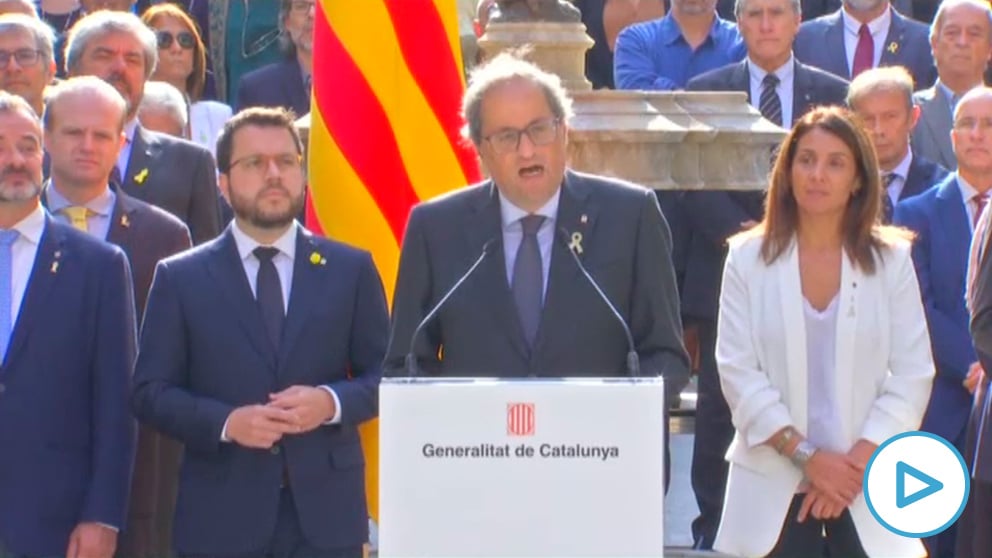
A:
{"points": [[385, 121]]}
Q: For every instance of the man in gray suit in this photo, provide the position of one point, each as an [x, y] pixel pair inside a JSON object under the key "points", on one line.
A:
{"points": [[526, 309], [84, 129], [961, 40], [173, 174]]}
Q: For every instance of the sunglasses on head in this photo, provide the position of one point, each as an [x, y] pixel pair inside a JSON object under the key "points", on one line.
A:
{"points": [[185, 39]]}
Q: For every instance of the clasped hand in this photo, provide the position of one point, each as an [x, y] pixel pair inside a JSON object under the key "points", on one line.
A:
{"points": [[295, 410], [834, 481]]}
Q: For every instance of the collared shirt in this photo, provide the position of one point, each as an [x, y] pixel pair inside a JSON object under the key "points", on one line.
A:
{"points": [[125, 155], [23, 253], [879, 29], [513, 233], [283, 262], [101, 209], [968, 193], [785, 74], [901, 172], [654, 55]]}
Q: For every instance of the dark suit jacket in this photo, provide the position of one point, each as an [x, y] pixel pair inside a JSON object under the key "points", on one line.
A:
{"points": [[932, 134], [923, 174], [204, 352], [626, 248], [67, 434], [181, 178], [714, 216], [275, 85], [820, 43], [940, 255]]}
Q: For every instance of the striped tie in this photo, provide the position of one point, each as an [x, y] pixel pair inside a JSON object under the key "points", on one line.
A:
{"points": [[769, 104], [7, 238]]}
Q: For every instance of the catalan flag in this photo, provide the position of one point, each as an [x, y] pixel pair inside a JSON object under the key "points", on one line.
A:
{"points": [[385, 122]]}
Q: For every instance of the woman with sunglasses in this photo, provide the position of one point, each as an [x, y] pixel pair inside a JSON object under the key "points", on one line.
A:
{"points": [[182, 62]]}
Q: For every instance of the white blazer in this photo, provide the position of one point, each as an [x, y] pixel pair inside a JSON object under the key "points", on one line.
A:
{"points": [[206, 120], [883, 377]]}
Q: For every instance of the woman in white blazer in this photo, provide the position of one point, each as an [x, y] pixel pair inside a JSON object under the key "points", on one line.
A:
{"points": [[183, 62], [822, 349]]}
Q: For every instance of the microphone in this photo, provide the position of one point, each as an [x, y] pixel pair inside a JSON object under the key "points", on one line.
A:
{"points": [[412, 369], [633, 361]]}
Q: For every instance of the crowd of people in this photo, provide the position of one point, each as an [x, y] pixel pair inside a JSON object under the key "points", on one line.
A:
{"points": [[184, 365]]}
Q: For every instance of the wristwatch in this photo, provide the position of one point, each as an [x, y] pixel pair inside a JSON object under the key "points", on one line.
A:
{"points": [[784, 439], [804, 451]]}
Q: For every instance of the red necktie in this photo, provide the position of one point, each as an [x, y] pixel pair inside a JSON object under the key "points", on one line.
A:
{"points": [[980, 201], [864, 54]]}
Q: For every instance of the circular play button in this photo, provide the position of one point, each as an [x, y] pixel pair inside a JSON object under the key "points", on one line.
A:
{"points": [[916, 484]]}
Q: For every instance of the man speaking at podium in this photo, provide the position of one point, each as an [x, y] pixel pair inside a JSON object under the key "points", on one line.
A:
{"points": [[540, 271]]}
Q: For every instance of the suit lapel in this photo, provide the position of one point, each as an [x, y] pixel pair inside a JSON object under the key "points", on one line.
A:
{"points": [[308, 277], [144, 147], [937, 116], [952, 213], [577, 218], [481, 224], [834, 43], [120, 222], [740, 79], [794, 323], [44, 273], [228, 271], [846, 330], [802, 91], [295, 89], [893, 41]]}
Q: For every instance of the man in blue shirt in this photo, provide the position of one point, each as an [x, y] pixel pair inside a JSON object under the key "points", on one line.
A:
{"points": [[663, 54]]}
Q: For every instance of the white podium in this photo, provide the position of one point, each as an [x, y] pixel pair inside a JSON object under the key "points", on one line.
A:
{"points": [[521, 467]]}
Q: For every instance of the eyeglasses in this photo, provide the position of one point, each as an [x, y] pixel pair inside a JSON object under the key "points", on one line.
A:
{"points": [[541, 132], [24, 56], [969, 124], [259, 163], [301, 7], [185, 39]]}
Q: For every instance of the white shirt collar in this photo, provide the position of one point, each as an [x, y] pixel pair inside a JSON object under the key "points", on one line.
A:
{"points": [[129, 129], [32, 226], [286, 244], [875, 26], [512, 214], [783, 72], [967, 190]]}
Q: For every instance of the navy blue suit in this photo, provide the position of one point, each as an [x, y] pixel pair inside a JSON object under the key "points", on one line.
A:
{"points": [[923, 174], [66, 433], [204, 352], [940, 254], [820, 43], [275, 85]]}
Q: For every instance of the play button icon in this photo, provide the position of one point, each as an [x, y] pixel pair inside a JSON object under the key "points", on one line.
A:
{"points": [[930, 484], [916, 484]]}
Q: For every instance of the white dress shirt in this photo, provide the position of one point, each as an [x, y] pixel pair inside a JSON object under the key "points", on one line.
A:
{"points": [[786, 78], [23, 253], [823, 414], [879, 28], [101, 210], [513, 233], [283, 262], [901, 172]]}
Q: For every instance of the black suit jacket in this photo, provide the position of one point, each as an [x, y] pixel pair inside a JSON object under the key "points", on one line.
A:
{"points": [[922, 175], [204, 352], [177, 176], [625, 246], [714, 216], [275, 85]]}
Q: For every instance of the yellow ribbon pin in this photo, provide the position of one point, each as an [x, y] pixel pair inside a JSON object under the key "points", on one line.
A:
{"points": [[893, 47], [576, 244], [141, 176]]}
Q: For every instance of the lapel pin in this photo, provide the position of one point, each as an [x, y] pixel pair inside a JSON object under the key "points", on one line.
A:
{"points": [[893, 47], [576, 244], [125, 222], [141, 176], [584, 219], [55, 267], [317, 259], [57, 255]]}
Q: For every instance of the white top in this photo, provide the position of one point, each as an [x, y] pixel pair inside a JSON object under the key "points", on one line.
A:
{"points": [[879, 28], [784, 89], [823, 418], [23, 253], [283, 261], [206, 120]]}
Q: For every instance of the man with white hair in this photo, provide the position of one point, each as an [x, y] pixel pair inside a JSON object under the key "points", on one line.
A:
{"points": [[24, 7], [163, 109], [173, 174]]}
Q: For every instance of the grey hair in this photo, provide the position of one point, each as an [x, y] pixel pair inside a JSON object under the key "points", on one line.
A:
{"points": [[163, 96], [105, 22], [501, 69], [892, 79], [82, 85], [740, 5], [15, 103], [44, 36], [945, 5], [26, 4], [285, 41], [972, 94]]}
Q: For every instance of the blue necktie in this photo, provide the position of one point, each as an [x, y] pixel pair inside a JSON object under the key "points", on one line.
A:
{"points": [[268, 294], [528, 278], [7, 238]]}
